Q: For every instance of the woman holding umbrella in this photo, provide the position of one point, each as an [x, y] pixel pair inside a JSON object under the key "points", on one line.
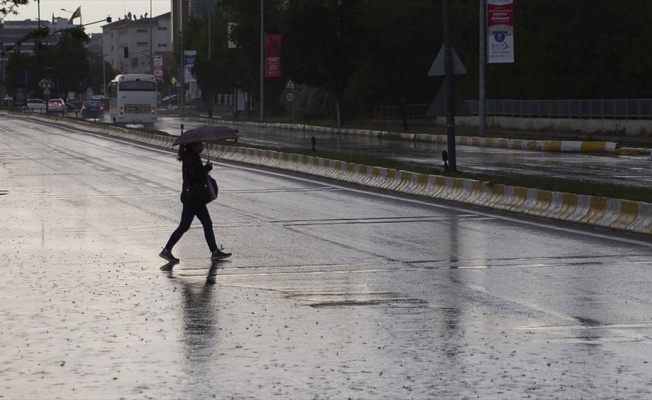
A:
{"points": [[193, 171]]}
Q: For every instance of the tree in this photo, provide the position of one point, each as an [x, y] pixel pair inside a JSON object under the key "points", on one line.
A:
{"points": [[319, 45], [245, 58], [98, 74], [16, 71], [398, 44], [366, 53], [65, 63], [9, 6], [214, 70]]}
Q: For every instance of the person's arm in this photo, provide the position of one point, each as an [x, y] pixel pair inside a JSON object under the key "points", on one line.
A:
{"points": [[195, 170]]}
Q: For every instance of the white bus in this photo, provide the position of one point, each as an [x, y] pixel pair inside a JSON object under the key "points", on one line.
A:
{"points": [[133, 99]]}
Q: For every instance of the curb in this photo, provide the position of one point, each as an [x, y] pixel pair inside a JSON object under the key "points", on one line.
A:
{"points": [[617, 214], [573, 146], [632, 151]]}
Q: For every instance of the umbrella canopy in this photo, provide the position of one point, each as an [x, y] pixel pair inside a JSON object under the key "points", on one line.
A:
{"points": [[207, 133]]}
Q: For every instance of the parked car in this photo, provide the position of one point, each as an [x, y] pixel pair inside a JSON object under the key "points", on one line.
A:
{"points": [[36, 104], [56, 105], [105, 100], [92, 109]]}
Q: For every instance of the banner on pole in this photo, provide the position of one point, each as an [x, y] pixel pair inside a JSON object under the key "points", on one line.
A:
{"points": [[500, 26], [273, 56], [190, 59]]}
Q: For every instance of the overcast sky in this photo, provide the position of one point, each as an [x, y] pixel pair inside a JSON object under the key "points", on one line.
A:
{"points": [[91, 10]]}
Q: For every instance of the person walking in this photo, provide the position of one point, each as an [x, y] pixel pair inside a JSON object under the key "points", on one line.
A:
{"points": [[193, 170]]}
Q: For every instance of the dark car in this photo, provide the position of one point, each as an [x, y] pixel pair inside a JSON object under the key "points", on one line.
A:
{"points": [[105, 100], [92, 109]]}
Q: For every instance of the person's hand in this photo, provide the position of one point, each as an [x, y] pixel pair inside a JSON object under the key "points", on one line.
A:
{"points": [[209, 166]]}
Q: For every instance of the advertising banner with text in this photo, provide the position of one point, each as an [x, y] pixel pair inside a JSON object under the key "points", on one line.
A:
{"points": [[500, 26], [190, 57], [272, 56]]}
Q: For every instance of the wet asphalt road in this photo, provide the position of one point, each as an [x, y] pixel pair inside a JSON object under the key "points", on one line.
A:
{"points": [[332, 292]]}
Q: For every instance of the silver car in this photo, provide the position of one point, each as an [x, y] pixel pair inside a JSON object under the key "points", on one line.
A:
{"points": [[56, 105], [36, 105]]}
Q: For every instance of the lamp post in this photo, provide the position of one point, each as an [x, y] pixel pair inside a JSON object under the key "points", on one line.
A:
{"points": [[103, 75], [151, 39], [262, 63]]}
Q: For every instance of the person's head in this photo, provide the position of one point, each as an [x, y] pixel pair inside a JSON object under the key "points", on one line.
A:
{"points": [[197, 147]]}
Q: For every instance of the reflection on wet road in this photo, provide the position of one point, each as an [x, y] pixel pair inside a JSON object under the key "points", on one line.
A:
{"points": [[331, 292]]}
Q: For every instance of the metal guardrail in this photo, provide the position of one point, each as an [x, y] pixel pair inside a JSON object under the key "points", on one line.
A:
{"points": [[583, 109]]}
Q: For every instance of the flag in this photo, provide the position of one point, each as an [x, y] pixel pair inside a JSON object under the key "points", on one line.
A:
{"points": [[76, 14]]}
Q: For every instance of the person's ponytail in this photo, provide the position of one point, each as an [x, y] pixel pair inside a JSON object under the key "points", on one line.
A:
{"points": [[180, 153]]}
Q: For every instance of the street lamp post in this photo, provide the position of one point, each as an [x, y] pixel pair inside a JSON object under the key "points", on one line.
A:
{"points": [[103, 75], [151, 39], [262, 63]]}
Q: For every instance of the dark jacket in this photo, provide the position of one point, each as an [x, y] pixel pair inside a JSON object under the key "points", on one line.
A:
{"points": [[193, 171]]}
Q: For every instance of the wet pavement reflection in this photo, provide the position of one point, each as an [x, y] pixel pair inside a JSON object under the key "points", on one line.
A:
{"points": [[331, 292]]}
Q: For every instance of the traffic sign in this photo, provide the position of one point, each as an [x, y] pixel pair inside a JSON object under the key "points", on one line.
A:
{"points": [[290, 97], [438, 67], [289, 84]]}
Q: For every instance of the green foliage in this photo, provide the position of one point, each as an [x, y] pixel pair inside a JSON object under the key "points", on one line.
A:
{"points": [[311, 103], [366, 53], [65, 63], [69, 61], [8, 7]]}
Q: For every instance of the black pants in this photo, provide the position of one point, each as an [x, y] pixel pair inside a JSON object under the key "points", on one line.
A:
{"points": [[187, 215]]}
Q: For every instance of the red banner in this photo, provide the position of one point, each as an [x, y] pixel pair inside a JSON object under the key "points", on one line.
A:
{"points": [[272, 56]]}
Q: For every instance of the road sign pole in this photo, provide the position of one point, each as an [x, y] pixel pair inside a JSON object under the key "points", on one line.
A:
{"points": [[448, 82]]}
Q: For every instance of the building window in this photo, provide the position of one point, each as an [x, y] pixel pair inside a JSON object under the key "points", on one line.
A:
{"points": [[142, 44], [162, 28], [141, 30]]}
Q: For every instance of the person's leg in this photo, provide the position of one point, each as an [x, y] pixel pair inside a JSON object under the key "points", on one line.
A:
{"points": [[204, 216], [187, 215]]}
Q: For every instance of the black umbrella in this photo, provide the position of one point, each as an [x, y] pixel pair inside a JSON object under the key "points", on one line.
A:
{"points": [[207, 133]]}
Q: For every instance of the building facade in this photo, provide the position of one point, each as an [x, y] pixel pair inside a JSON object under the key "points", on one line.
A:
{"points": [[131, 44]]}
